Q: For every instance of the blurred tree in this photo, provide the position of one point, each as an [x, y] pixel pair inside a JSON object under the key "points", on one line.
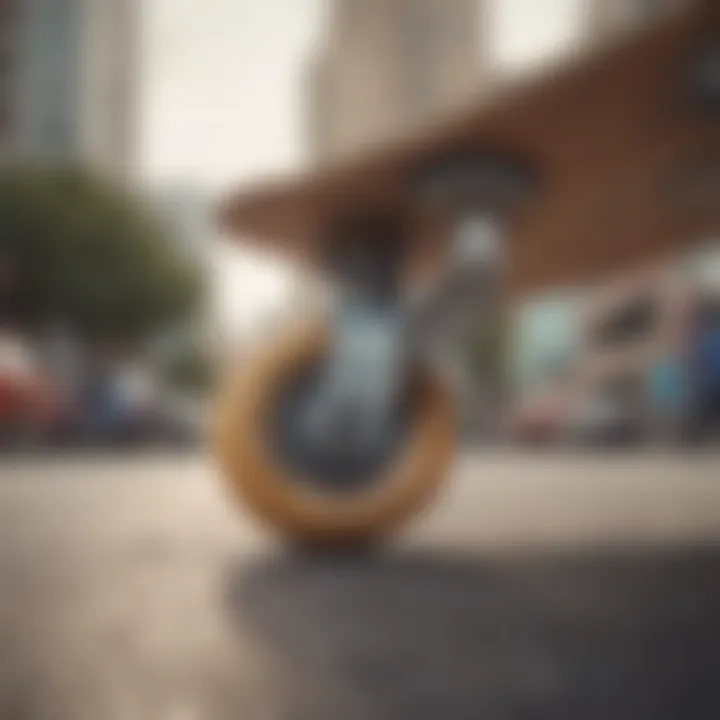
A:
{"points": [[189, 367], [89, 255]]}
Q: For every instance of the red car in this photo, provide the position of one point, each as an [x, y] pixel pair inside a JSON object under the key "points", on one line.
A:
{"points": [[31, 407]]}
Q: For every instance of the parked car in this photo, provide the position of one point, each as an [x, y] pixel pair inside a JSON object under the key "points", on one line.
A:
{"points": [[597, 420], [32, 409], [538, 420]]}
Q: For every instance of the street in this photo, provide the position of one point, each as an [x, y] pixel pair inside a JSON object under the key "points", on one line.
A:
{"points": [[548, 586]]}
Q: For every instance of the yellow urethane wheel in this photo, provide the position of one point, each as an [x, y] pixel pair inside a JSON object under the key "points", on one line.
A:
{"points": [[329, 500]]}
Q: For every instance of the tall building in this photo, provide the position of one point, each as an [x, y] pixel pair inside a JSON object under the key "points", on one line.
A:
{"points": [[388, 64], [69, 92], [9, 36]]}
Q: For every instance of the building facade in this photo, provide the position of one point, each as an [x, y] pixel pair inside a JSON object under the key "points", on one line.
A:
{"points": [[9, 39], [386, 66], [69, 91], [549, 328]]}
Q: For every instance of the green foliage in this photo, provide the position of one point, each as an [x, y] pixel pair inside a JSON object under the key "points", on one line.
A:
{"points": [[189, 368], [89, 254]]}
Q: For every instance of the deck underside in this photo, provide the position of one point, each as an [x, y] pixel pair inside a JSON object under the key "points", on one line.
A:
{"points": [[627, 163]]}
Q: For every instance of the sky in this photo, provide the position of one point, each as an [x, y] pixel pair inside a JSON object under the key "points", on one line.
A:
{"points": [[223, 79], [222, 85], [222, 103]]}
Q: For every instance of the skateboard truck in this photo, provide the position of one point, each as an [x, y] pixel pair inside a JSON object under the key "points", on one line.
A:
{"points": [[376, 332], [479, 190], [365, 368]]}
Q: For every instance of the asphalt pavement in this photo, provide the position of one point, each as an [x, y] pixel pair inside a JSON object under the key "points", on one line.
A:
{"points": [[564, 587]]}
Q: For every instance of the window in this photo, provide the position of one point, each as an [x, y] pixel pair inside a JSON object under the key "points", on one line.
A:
{"points": [[632, 322], [547, 338]]}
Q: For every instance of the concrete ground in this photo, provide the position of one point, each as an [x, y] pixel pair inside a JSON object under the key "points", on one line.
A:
{"points": [[558, 587]]}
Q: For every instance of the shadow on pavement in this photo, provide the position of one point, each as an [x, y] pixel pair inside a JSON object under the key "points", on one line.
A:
{"points": [[609, 635]]}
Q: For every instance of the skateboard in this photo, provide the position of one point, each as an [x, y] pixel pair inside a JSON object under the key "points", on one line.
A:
{"points": [[344, 429]]}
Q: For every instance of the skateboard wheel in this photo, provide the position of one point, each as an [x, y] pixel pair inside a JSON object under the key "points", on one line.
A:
{"points": [[316, 513]]}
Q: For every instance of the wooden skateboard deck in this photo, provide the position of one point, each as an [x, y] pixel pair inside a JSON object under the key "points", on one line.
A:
{"points": [[623, 145]]}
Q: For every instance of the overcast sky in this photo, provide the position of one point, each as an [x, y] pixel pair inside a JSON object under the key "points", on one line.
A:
{"points": [[221, 86], [223, 79]]}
